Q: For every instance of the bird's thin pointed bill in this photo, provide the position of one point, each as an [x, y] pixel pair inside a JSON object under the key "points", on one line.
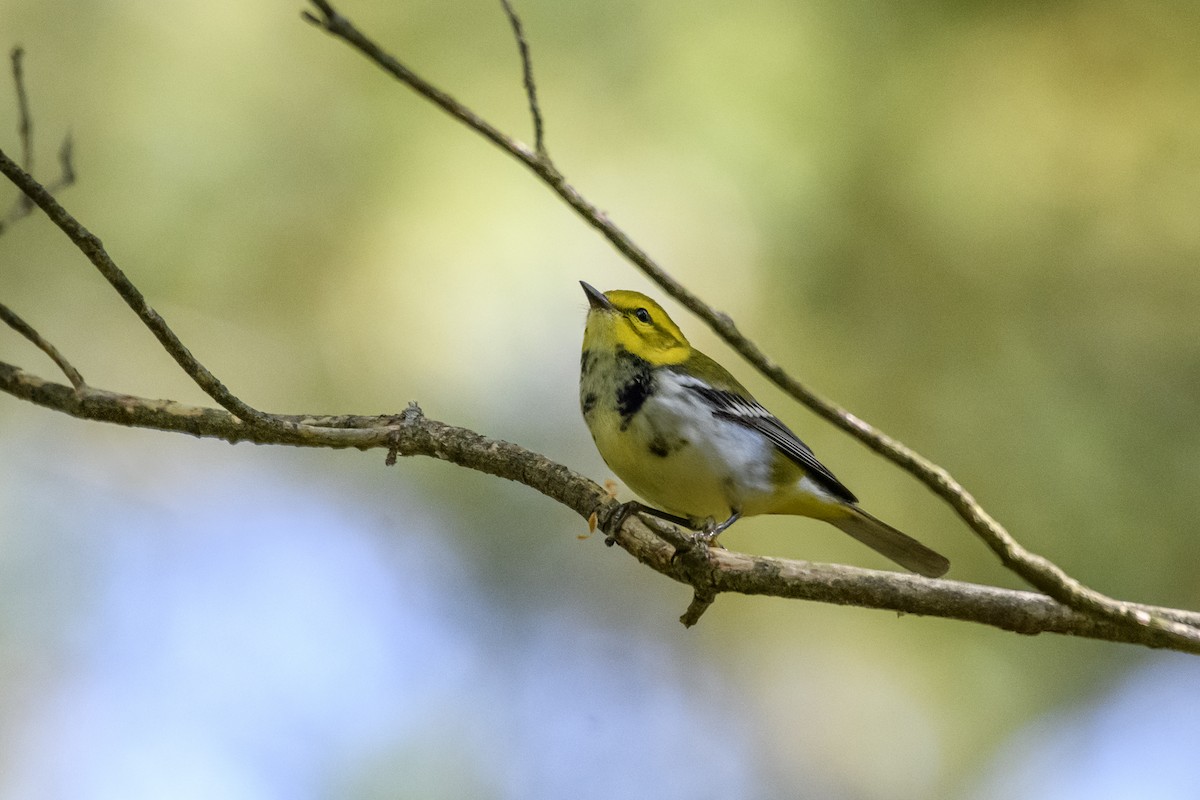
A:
{"points": [[596, 298]]}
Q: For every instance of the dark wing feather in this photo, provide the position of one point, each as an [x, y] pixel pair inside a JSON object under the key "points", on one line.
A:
{"points": [[752, 414]]}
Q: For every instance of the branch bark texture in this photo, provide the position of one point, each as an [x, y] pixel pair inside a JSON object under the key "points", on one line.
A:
{"points": [[662, 547]]}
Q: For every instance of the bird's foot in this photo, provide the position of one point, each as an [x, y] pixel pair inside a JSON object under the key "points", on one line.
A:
{"points": [[711, 529], [707, 532], [617, 519]]}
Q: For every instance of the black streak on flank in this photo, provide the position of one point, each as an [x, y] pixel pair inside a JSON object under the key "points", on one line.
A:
{"points": [[589, 402], [585, 362]]}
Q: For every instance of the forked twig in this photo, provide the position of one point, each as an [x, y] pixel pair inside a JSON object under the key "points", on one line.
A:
{"points": [[23, 206], [535, 110], [22, 327], [91, 247]]}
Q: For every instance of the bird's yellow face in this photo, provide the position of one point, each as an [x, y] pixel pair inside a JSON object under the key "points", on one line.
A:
{"points": [[630, 321]]}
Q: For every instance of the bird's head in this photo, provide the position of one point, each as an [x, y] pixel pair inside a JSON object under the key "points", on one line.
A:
{"points": [[631, 321]]}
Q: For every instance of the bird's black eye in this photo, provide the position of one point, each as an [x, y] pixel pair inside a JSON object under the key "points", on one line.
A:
{"points": [[643, 315]]}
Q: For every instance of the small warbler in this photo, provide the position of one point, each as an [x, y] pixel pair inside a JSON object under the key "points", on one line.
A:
{"points": [[686, 436]]}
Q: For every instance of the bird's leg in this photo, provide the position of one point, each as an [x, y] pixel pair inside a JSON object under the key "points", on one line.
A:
{"points": [[711, 530], [634, 507], [654, 512]]}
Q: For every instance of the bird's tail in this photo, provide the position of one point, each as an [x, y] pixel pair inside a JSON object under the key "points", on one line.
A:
{"points": [[887, 541]]}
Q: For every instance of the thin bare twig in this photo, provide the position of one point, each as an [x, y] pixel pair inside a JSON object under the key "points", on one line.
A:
{"points": [[22, 327], [94, 250], [24, 119], [708, 571], [23, 206], [66, 169], [1038, 571], [535, 110], [702, 600]]}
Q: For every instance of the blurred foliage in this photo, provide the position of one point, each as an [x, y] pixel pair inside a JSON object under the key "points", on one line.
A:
{"points": [[973, 224]]}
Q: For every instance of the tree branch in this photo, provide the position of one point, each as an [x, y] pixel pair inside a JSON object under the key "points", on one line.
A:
{"points": [[1038, 571], [708, 571]]}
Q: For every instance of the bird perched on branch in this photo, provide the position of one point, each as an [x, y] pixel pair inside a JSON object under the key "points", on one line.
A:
{"points": [[687, 437]]}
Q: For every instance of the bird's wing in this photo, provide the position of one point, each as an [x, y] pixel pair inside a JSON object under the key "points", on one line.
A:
{"points": [[749, 412]]}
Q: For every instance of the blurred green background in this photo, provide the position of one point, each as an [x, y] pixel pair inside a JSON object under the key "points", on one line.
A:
{"points": [[973, 224]]}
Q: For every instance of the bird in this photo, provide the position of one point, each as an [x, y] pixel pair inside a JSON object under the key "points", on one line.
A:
{"points": [[690, 440]]}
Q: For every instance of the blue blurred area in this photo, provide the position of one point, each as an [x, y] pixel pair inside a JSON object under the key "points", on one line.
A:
{"points": [[218, 630], [245, 636], [1136, 739]]}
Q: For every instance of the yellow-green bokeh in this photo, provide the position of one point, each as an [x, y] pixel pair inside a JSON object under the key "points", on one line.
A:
{"points": [[972, 224]]}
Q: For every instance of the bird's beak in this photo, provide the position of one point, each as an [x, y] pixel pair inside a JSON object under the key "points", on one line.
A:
{"points": [[596, 298]]}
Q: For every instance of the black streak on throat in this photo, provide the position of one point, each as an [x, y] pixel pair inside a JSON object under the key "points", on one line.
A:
{"points": [[633, 391]]}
